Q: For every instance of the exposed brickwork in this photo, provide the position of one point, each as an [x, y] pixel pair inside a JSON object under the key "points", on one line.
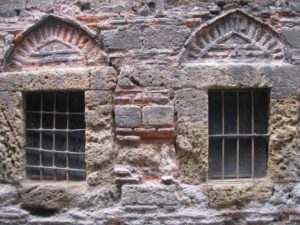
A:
{"points": [[144, 113], [53, 42], [234, 36]]}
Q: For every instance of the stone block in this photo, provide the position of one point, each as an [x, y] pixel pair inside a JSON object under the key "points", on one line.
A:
{"points": [[97, 97], [282, 78], [56, 79], [142, 75], [158, 115], [149, 194], [128, 116], [44, 197], [123, 39], [10, 81], [165, 37], [292, 36], [99, 148], [99, 117], [103, 78], [191, 103], [167, 180], [40, 3], [13, 215], [103, 177], [122, 171], [11, 141], [10, 7], [8, 195], [141, 155]]}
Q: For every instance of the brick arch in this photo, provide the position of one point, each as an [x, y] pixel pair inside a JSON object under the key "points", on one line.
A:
{"points": [[234, 36], [54, 41]]}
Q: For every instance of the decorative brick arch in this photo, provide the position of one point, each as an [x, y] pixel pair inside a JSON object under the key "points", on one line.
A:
{"points": [[234, 36], [54, 41]]}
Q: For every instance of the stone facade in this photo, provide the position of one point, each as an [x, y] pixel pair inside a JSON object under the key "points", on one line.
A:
{"points": [[146, 67]]}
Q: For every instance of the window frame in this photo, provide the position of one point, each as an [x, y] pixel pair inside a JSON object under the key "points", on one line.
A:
{"points": [[66, 153], [238, 136]]}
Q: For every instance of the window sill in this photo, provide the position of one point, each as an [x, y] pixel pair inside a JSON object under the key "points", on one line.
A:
{"points": [[238, 182], [27, 183]]}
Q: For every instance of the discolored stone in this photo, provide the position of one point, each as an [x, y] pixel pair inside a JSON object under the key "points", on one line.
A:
{"points": [[44, 197], [128, 115], [122, 39], [158, 115], [291, 35], [103, 78], [155, 194]]}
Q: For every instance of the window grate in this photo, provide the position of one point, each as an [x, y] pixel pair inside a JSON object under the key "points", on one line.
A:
{"points": [[55, 135], [238, 133]]}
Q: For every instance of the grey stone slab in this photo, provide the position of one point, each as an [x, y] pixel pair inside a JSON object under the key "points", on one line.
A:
{"points": [[191, 103], [158, 115], [129, 115], [9, 7], [123, 39], [282, 78], [154, 194], [292, 36], [165, 37], [144, 75]]}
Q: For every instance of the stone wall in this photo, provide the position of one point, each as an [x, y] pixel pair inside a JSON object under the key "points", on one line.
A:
{"points": [[146, 67]]}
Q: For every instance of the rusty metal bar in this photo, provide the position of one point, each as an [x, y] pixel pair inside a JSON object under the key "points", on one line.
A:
{"points": [[237, 131], [252, 138], [223, 140]]}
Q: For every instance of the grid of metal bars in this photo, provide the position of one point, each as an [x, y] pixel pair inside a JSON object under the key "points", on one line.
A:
{"points": [[55, 135], [238, 133]]}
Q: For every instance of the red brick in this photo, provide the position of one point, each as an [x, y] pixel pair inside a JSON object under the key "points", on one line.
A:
{"points": [[166, 132], [124, 131], [122, 100], [128, 138], [147, 132]]}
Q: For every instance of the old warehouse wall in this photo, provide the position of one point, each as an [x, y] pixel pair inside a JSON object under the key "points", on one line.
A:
{"points": [[185, 112]]}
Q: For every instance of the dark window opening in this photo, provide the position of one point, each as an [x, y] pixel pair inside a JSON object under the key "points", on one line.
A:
{"points": [[238, 133], [55, 135]]}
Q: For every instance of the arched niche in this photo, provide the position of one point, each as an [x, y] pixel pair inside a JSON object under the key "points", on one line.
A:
{"points": [[54, 41], [234, 36]]}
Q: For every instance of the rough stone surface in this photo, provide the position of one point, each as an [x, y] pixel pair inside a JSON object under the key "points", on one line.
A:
{"points": [[291, 36], [123, 39], [140, 195], [103, 78], [11, 142], [141, 75], [128, 116], [143, 157], [165, 37], [283, 144], [8, 195], [158, 115], [46, 197], [99, 150]]}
